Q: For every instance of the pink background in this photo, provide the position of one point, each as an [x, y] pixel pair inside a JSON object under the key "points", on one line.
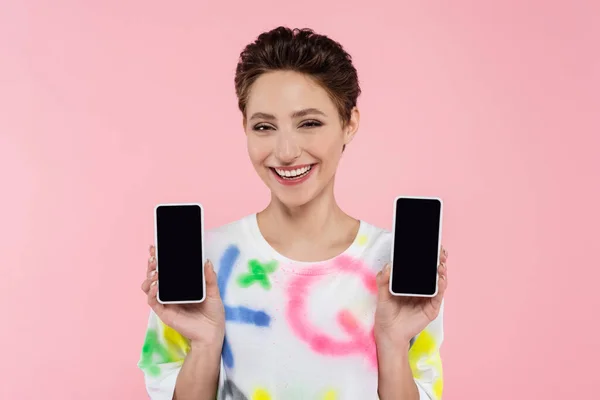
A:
{"points": [[111, 107]]}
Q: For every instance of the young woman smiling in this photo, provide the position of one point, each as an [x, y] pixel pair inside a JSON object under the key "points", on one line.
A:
{"points": [[297, 305]]}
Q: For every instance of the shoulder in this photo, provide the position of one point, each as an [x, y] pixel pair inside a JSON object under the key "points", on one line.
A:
{"points": [[218, 239], [376, 238], [234, 228], [375, 245]]}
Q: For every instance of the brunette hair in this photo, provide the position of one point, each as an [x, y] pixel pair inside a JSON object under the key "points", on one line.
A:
{"points": [[304, 51]]}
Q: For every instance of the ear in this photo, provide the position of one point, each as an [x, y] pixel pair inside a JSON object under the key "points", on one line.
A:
{"points": [[351, 126]]}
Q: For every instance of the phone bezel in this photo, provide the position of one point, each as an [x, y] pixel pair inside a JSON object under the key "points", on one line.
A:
{"points": [[394, 241], [157, 250]]}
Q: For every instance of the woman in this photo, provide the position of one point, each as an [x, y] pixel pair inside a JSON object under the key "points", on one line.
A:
{"points": [[297, 302]]}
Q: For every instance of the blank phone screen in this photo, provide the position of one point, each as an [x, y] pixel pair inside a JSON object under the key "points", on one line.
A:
{"points": [[179, 253], [416, 246]]}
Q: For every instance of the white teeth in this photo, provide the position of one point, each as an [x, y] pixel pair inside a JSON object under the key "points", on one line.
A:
{"points": [[293, 173]]}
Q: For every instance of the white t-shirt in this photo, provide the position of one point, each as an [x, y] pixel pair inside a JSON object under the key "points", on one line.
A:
{"points": [[294, 330]]}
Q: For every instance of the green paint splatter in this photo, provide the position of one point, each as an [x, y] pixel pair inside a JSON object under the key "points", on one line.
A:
{"points": [[258, 274], [153, 354]]}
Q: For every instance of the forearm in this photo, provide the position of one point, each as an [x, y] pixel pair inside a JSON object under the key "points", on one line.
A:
{"points": [[396, 380], [199, 375]]}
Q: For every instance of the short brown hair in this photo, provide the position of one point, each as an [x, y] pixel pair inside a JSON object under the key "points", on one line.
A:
{"points": [[304, 51]]}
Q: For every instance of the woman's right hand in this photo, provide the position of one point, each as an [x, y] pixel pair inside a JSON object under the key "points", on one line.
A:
{"points": [[203, 323]]}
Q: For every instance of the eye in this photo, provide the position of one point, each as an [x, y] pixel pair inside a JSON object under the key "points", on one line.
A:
{"points": [[311, 124], [262, 127]]}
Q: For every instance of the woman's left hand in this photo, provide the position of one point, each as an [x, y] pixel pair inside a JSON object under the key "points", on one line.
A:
{"points": [[398, 319]]}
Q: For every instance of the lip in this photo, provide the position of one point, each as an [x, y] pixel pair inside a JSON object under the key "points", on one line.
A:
{"points": [[294, 182], [293, 167]]}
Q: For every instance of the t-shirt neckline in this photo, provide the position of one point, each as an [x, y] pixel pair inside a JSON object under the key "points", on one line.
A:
{"points": [[301, 267]]}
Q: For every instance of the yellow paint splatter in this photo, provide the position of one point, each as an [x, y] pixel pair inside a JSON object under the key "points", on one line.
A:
{"points": [[423, 347], [438, 388], [261, 394], [330, 395], [362, 240], [178, 345], [425, 351]]}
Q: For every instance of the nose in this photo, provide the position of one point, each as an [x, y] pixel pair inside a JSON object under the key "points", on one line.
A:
{"points": [[287, 148]]}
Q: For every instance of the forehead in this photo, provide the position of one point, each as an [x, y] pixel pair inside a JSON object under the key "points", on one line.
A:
{"points": [[282, 92]]}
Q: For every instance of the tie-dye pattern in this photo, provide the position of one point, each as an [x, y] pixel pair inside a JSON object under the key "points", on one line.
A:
{"points": [[293, 330], [426, 363], [163, 345]]}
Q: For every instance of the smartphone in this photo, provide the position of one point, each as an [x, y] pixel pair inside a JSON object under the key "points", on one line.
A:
{"points": [[179, 238], [416, 246]]}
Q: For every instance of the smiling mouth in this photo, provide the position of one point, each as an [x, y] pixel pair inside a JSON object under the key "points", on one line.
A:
{"points": [[292, 174]]}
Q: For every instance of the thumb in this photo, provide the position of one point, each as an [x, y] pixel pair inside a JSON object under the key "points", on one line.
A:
{"points": [[212, 288], [383, 282]]}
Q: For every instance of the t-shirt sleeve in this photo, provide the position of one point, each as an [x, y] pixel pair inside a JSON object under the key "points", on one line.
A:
{"points": [[425, 360], [162, 356], [165, 349]]}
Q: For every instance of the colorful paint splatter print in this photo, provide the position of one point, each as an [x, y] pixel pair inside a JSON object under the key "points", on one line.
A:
{"points": [[293, 330]]}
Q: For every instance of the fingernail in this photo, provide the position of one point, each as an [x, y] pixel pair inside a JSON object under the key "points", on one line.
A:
{"points": [[152, 273], [387, 267], [153, 283], [152, 259]]}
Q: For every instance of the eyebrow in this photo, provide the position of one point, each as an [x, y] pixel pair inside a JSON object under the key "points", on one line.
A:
{"points": [[295, 114]]}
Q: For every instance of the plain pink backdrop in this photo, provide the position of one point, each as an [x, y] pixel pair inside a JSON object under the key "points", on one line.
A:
{"points": [[111, 107]]}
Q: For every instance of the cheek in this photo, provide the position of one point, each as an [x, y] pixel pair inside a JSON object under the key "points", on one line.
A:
{"points": [[257, 150], [327, 148]]}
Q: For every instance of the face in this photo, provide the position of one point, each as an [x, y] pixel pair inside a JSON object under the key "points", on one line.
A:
{"points": [[295, 136]]}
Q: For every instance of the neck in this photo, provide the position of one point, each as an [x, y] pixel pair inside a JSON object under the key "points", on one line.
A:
{"points": [[305, 222]]}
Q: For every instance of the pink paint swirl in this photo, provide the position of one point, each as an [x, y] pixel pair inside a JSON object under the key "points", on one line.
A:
{"points": [[360, 340]]}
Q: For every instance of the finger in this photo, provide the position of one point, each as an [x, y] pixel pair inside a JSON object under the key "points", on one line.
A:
{"points": [[159, 309], [442, 267], [383, 281], [152, 300], [146, 285], [151, 263], [443, 271], [153, 277], [383, 276], [442, 286], [212, 287], [443, 255], [151, 270]]}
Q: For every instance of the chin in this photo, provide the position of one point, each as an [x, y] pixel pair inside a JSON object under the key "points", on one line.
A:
{"points": [[294, 196], [294, 200]]}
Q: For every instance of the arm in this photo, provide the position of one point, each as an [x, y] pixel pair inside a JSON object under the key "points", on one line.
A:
{"points": [[395, 375], [199, 376], [175, 369], [413, 372]]}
